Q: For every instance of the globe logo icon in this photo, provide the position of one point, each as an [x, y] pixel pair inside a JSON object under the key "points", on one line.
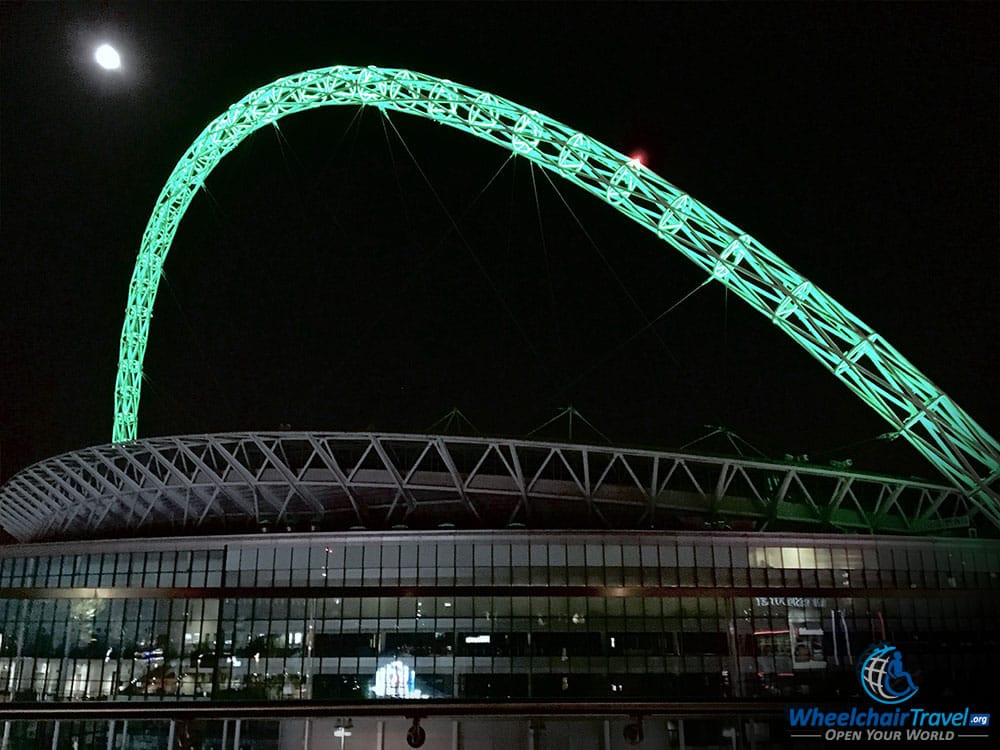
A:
{"points": [[882, 676]]}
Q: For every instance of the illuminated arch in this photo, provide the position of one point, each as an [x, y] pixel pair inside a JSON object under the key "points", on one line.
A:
{"points": [[848, 348]]}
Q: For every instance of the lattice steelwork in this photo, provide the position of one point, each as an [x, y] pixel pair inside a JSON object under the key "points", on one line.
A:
{"points": [[377, 481], [919, 411]]}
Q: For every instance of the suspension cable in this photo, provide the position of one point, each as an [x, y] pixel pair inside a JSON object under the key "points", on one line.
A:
{"points": [[468, 247], [649, 325], [197, 339], [622, 344], [545, 254], [428, 253], [604, 259]]}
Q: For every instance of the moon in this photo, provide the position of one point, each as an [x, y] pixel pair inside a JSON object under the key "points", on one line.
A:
{"points": [[107, 57]]}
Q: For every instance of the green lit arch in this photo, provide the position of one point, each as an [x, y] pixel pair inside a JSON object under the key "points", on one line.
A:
{"points": [[860, 358]]}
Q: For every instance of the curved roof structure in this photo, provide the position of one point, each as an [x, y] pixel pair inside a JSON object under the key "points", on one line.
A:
{"points": [[344, 480]]}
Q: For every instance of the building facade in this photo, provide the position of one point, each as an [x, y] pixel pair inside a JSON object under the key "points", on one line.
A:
{"points": [[353, 630]]}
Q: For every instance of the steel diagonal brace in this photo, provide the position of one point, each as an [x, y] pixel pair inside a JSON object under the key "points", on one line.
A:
{"points": [[17, 515], [137, 488], [330, 461], [208, 500], [390, 467], [249, 478], [113, 492], [522, 487], [294, 483], [147, 475], [74, 495], [216, 478], [456, 477], [885, 504]]}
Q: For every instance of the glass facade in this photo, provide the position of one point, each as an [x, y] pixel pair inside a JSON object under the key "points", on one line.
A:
{"points": [[489, 616]]}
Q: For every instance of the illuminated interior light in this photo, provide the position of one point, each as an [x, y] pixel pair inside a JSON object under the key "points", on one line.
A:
{"points": [[395, 680]]}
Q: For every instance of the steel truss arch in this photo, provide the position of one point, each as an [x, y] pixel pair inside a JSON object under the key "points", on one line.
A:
{"points": [[859, 357]]}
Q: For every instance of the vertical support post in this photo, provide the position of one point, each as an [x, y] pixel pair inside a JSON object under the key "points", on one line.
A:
{"points": [[236, 734], [681, 744], [220, 638], [170, 734], [536, 731], [307, 646], [110, 744], [847, 640], [455, 735], [306, 734], [14, 678], [55, 735], [606, 737], [225, 733], [380, 735], [736, 675], [833, 627]]}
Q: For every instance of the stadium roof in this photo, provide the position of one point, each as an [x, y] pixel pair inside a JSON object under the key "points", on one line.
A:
{"points": [[347, 480]]}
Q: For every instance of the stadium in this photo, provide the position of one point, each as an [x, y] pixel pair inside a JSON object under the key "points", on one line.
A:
{"points": [[319, 589], [374, 577]]}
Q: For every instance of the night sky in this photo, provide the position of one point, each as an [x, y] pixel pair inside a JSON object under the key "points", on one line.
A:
{"points": [[319, 283]]}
